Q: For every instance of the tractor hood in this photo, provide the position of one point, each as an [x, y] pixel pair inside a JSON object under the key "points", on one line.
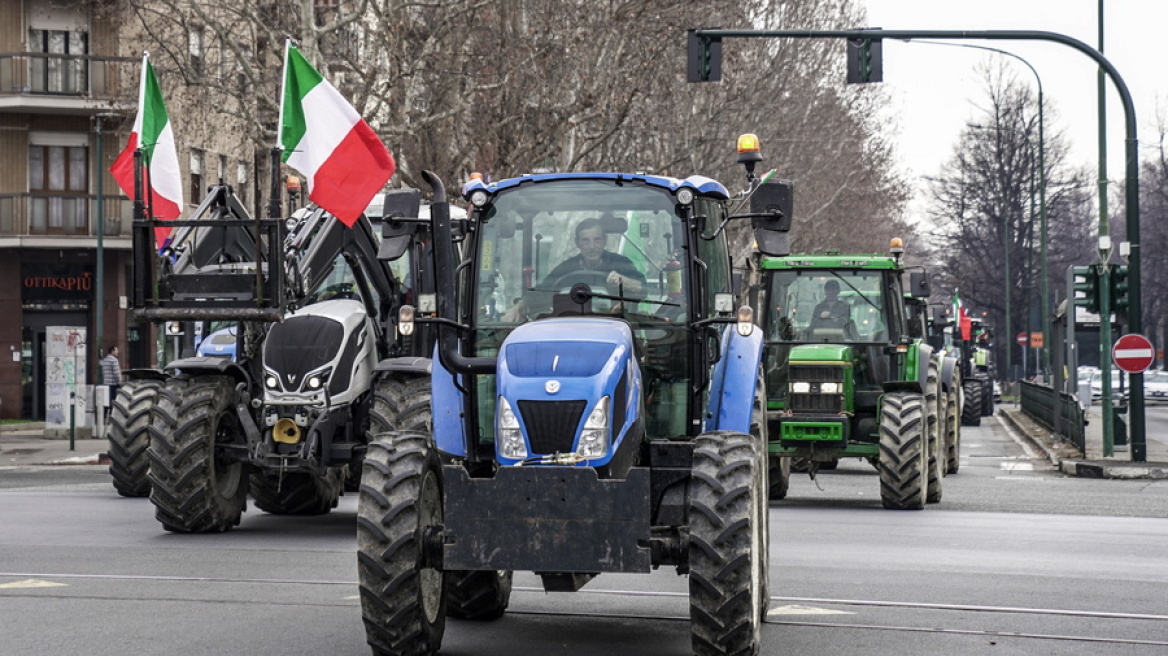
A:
{"points": [[821, 353], [553, 374]]}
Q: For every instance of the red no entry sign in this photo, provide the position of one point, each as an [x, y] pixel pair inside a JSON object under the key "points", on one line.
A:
{"points": [[1133, 353], [1023, 339]]}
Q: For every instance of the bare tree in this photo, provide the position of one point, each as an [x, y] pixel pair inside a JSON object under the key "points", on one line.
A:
{"points": [[983, 221], [507, 87]]}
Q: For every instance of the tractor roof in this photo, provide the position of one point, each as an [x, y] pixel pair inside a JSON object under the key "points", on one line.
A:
{"points": [[832, 262], [701, 185]]}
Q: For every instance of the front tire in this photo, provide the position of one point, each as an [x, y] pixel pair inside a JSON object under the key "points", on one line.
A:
{"points": [[195, 488], [403, 603], [129, 436], [971, 411], [935, 413], [478, 595], [295, 493], [953, 426], [725, 590], [903, 457]]}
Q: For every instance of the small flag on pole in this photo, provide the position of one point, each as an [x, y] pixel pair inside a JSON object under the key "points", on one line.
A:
{"points": [[964, 322], [324, 138], [152, 134]]}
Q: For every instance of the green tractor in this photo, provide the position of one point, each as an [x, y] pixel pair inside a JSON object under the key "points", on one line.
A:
{"points": [[849, 373]]}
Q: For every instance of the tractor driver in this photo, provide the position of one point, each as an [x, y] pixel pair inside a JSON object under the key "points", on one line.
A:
{"points": [[619, 273], [831, 310]]}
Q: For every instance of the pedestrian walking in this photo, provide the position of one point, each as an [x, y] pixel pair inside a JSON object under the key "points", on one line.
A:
{"points": [[111, 374]]}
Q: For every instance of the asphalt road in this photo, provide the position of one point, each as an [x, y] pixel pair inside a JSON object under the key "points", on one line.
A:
{"points": [[1016, 559]]}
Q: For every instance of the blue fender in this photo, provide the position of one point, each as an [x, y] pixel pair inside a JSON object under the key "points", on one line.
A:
{"points": [[446, 404], [733, 384]]}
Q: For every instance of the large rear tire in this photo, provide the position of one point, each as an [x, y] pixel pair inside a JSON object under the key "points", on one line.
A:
{"points": [[759, 432], [971, 411], [195, 488], [903, 457], [403, 603], [129, 436], [987, 398], [779, 477], [725, 588], [295, 493], [935, 412]]}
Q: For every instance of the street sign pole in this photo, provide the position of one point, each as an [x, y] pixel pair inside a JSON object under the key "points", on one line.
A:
{"points": [[1134, 353]]}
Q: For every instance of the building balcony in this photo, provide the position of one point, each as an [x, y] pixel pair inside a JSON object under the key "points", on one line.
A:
{"points": [[46, 220], [34, 82]]}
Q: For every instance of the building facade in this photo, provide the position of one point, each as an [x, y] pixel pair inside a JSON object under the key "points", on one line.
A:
{"points": [[69, 75]]}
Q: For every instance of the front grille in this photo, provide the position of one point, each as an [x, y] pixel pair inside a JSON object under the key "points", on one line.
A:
{"points": [[824, 403], [551, 425], [816, 374]]}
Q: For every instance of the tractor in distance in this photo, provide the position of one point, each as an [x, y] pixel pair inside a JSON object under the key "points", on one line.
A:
{"points": [[596, 405], [848, 373]]}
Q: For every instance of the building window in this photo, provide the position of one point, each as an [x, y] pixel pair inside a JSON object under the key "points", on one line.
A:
{"points": [[221, 178], [197, 191], [58, 185], [195, 49], [65, 71]]}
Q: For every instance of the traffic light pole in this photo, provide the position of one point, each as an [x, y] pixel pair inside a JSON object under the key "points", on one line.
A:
{"points": [[702, 49]]}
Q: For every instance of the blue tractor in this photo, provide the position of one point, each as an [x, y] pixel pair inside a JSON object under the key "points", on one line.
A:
{"points": [[594, 404]]}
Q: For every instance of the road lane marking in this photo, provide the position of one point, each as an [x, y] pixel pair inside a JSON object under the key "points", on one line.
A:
{"points": [[797, 609], [32, 583]]}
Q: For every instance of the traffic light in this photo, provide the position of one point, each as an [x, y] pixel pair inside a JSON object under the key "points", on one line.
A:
{"points": [[865, 61], [703, 58], [1086, 287], [1119, 289]]}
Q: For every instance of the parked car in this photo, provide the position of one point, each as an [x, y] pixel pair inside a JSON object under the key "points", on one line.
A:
{"points": [[1097, 385], [997, 392], [1156, 386]]}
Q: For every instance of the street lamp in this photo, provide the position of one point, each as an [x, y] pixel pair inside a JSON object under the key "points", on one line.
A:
{"points": [[1046, 345]]}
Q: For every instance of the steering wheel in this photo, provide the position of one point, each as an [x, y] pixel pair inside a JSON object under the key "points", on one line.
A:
{"points": [[595, 279]]}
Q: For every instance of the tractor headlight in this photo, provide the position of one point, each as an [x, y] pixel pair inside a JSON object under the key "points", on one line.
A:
{"points": [[801, 388], [271, 382], [685, 196], [594, 437], [510, 438], [316, 381], [829, 388]]}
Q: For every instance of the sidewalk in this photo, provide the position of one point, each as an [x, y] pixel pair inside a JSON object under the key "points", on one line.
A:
{"points": [[1092, 464], [26, 445]]}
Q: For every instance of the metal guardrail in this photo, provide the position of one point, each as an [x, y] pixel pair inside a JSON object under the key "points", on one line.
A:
{"points": [[1059, 412], [69, 215]]}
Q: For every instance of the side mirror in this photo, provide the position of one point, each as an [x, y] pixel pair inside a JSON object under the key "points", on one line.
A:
{"points": [[402, 203], [918, 284], [773, 203], [396, 230]]}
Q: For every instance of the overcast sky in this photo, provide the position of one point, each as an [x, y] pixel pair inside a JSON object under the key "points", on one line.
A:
{"points": [[934, 86]]}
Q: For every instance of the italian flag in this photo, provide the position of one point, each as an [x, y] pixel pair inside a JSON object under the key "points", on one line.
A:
{"points": [[324, 138], [964, 322], [162, 180]]}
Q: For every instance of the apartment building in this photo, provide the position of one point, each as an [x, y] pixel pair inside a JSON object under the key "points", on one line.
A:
{"points": [[69, 74]]}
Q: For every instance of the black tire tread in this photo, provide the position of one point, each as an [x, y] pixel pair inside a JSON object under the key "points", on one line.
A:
{"points": [[183, 476], [723, 543], [129, 436], [971, 411], [389, 547], [902, 465], [295, 493]]}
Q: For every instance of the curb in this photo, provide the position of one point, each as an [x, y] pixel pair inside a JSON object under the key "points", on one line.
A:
{"points": [[1099, 469], [1095, 469]]}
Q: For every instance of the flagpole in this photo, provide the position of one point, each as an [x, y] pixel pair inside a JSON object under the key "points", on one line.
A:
{"points": [[274, 209]]}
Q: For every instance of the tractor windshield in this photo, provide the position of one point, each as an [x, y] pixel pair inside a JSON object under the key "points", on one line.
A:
{"points": [[827, 306], [576, 246]]}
